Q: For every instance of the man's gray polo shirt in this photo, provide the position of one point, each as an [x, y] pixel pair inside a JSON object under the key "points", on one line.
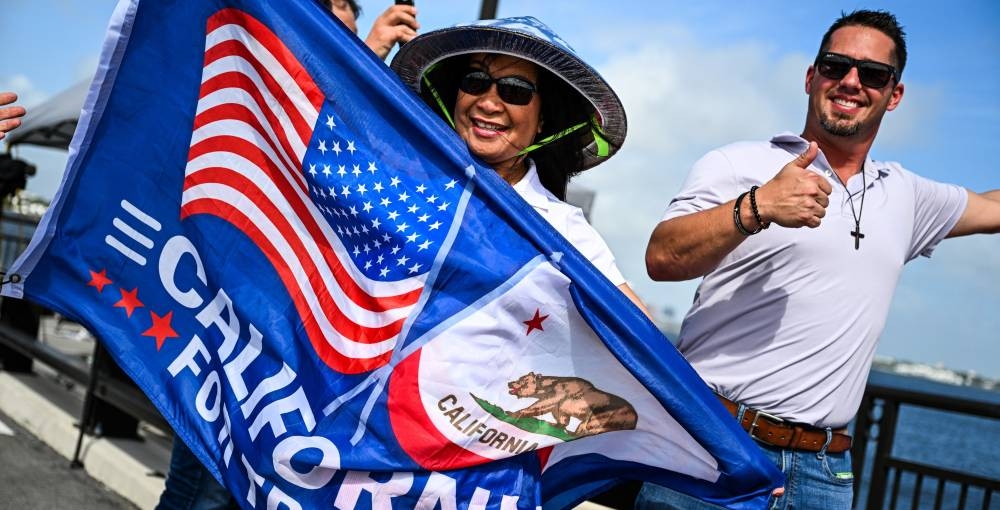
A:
{"points": [[788, 322]]}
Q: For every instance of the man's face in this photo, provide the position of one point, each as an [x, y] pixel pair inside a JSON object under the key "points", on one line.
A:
{"points": [[342, 10], [846, 107]]}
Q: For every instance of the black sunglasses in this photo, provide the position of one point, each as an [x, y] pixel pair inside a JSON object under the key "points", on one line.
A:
{"points": [[511, 89], [872, 74]]}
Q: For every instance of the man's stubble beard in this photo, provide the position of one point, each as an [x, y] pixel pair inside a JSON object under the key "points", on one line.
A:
{"points": [[837, 128]]}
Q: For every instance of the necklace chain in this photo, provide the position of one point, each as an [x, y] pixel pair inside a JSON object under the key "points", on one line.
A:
{"points": [[856, 233]]}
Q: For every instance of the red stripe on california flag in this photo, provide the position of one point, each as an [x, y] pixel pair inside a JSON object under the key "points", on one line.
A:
{"points": [[255, 155], [345, 363], [543, 456], [414, 430], [277, 48]]}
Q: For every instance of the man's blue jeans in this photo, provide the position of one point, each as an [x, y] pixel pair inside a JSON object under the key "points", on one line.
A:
{"points": [[189, 486], [822, 481]]}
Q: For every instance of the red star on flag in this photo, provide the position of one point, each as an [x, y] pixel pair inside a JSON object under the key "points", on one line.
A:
{"points": [[99, 280], [160, 329], [129, 301], [535, 322]]}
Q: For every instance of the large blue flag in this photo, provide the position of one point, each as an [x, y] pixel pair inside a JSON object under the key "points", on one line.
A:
{"points": [[333, 303]]}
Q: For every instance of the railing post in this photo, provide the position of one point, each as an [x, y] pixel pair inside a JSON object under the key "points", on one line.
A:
{"points": [[24, 317], [113, 421], [86, 423], [862, 433], [883, 451]]}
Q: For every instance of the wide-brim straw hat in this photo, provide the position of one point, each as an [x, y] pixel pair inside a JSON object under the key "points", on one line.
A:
{"points": [[529, 39]]}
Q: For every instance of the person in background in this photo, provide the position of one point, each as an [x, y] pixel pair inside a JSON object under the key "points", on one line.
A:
{"points": [[800, 241], [528, 107], [189, 486], [397, 24], [10, 116]]}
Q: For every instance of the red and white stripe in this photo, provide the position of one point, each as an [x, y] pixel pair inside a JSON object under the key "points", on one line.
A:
{"points": [[256, 112]]}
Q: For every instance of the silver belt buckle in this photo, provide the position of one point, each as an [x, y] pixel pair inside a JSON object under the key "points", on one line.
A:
{"points": [[753, 424]]}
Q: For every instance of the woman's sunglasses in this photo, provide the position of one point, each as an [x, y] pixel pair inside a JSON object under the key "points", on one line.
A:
{"points": [[511, 89], [872, 74]]}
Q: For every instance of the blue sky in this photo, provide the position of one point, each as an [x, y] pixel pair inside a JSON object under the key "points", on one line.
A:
{"points": [[693, 76]]}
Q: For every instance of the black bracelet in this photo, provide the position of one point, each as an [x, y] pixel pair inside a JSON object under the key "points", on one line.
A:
{"points": [[753, 209], [736, 217]]}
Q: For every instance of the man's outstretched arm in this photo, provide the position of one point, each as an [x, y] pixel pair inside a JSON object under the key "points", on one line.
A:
{"points": [[981, 216]]}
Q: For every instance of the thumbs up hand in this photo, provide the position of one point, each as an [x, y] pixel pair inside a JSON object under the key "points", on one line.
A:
{"points": [[795, 197]]}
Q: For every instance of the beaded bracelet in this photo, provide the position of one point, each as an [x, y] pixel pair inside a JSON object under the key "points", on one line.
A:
{"points": [[736, 217], [753, 209]]}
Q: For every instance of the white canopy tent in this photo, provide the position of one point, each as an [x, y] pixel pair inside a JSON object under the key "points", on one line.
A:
{"points": [[51, 123]]}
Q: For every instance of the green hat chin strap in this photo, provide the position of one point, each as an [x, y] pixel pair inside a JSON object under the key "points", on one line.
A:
{"points": [[603, 147], [600, 138], [437, 97]]}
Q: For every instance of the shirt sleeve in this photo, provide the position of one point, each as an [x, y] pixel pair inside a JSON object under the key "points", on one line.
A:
{"points": [[708, 184], [937, 208]]}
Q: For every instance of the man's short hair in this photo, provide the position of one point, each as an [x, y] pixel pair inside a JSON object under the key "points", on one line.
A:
{"points": [[883, 21]]}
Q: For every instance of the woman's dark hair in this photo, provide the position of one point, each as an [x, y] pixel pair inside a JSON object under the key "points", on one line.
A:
{"points": [[562, 107]]}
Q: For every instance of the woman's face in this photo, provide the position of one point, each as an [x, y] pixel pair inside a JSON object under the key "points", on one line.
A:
{"points": [[495, 130]]}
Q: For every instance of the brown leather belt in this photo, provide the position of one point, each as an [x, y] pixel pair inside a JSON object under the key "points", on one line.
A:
{"points": [[784, 434]]}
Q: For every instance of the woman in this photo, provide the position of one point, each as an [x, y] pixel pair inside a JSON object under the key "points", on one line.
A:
{"points": [[526, 105]]}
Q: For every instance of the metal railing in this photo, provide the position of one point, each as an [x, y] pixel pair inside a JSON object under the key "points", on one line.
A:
{"points": [[105, 384], [113, 404], [882, 479], [15, 232], [894, 481]]}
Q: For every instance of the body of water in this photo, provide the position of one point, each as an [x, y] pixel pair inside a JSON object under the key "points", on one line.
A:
{"points": [[946, 440]]}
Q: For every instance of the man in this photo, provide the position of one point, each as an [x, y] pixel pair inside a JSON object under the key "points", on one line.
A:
{"points": [[785, 322], [397, 24]]}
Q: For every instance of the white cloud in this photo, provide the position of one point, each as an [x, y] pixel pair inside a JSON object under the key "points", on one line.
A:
{"points": [[86, 67], [949, 300], [28, 94], [683, 99], [908, 125]]}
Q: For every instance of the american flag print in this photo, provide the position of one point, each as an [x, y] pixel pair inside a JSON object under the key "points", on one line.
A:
{"points": [[352, 241], [280, 198]]}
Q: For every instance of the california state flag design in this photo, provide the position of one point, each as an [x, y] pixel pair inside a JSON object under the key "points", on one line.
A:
{"points": [[522, 370]]}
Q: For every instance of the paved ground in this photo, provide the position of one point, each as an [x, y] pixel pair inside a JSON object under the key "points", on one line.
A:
{"points": [[41, 411], [33, 475]]}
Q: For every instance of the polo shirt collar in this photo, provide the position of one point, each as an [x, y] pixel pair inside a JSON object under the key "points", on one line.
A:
{"points": [[531, 190], [795, 145]]}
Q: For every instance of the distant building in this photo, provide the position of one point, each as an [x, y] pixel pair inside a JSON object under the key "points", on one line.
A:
{"points": [[936, 372]]}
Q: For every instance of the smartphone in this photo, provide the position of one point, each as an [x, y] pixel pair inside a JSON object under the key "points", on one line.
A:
{"points": [[404, 2]]}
